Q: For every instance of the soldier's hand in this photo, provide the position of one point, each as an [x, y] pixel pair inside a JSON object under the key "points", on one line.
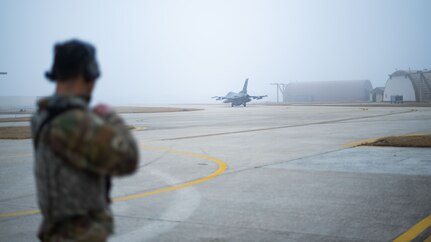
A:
{"points": [[103, 110]]}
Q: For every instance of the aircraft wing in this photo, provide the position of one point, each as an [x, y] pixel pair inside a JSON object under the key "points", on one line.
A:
{"points": [[219, 97], [258, 97]]}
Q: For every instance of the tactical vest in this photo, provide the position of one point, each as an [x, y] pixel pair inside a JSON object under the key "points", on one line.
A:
{"points": [[63, 191]]}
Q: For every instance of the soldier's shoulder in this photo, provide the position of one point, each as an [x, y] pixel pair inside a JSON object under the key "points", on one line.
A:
{"points": [[75, 117]]}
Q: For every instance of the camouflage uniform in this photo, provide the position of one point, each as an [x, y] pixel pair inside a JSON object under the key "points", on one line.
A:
{"points": [[76, 152]]}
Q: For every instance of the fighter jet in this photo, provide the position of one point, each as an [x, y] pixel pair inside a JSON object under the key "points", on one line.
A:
{"points": [[237, 99]]}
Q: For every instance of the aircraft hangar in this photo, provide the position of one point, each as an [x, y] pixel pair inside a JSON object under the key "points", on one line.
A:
{"points": [[410, 86], [328, 91]]}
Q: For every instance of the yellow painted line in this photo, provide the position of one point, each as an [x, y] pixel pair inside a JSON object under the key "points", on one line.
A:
{"points": [[414, 231], [221, 168], [371, 140], [428, 239], [21, 213]]}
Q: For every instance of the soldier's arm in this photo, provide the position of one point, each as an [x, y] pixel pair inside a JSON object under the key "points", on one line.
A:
{"points": [[86, 141]]}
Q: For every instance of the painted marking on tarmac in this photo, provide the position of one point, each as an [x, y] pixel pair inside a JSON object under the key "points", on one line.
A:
{"points": [[181, 205], [371, 140], [414, 231], [289, 126], [21, 213], [221, 168], [418, 228]]}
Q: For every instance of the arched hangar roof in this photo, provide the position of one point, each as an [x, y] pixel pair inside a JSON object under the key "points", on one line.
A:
{"points": [[329, 91], [420, 80]]}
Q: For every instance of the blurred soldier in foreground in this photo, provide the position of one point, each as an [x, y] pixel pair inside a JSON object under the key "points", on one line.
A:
{"points": [[77, 150]]}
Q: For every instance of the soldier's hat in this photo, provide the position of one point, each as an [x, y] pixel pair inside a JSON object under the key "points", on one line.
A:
{"points": [[72, 58]]}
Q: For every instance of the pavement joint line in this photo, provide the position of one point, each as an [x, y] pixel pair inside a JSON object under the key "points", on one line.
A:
{"points": [[277, 163], [371, 140], [152, 161], [414, 231], [147, 218], [299, 158], [17, 156], [222, 167], [19, 197], [236, 227], [287, 126]]}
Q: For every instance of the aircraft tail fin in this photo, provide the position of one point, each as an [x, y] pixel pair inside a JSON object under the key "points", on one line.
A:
{"points": [[244, 88]]}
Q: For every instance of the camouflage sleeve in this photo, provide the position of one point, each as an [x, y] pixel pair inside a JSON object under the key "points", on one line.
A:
{"points": [[86, 141]]}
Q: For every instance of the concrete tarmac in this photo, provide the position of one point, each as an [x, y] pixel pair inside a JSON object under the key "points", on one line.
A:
{"points": [[288, 177]]}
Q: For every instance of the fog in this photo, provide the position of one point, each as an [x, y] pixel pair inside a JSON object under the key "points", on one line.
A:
{"points": [[173, 51]]}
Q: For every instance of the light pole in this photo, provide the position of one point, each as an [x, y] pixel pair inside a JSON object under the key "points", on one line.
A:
{"points": [[280, 87], [277, 84]]}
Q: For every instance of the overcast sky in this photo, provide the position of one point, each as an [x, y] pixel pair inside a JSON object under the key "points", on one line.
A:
{"points": [[185, 51]]}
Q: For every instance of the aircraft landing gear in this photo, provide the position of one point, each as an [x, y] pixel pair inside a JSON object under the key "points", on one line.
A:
{"points": [[232, 105], [245, 104]]}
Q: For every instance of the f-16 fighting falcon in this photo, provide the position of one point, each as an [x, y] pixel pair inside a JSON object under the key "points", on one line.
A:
{"points": [[237, 99]]}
